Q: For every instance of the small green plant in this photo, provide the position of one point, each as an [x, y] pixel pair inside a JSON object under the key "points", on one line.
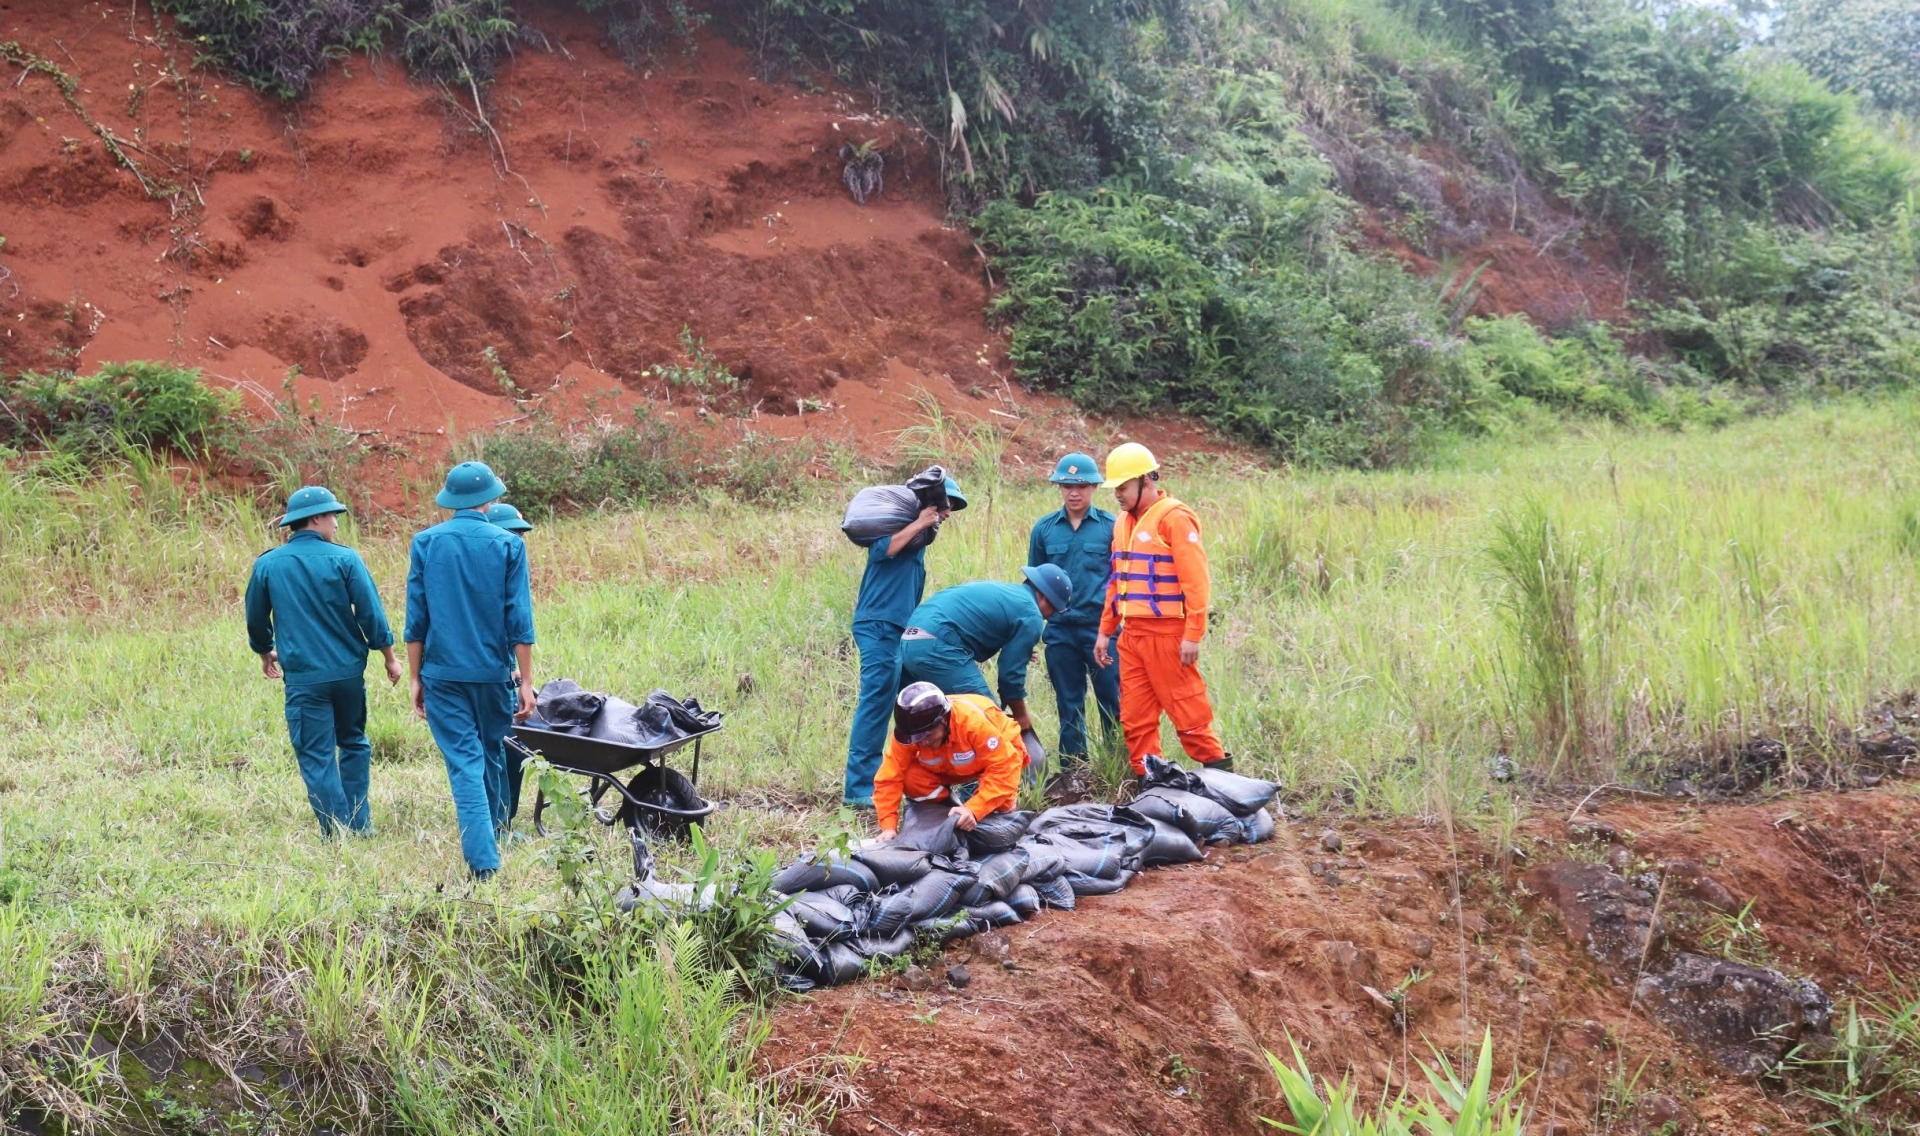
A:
{"points": [[1738, 936], [490, 355], [701, 371], [1462, 1109]]}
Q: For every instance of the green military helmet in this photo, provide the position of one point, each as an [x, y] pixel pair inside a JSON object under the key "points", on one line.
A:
{"points": [[1076, 469], [469, 486], [1051, 581], [310, 501], [509, 518]]}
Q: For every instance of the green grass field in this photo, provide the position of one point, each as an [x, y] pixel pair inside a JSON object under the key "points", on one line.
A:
{"points": [[1594, 605]]}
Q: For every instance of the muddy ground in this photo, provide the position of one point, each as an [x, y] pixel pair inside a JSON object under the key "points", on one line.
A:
{"points": [[1150, 1011]]}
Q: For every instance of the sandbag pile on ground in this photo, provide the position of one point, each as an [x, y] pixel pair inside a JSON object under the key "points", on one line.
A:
{"points": [[564, 707], [934, 883]]}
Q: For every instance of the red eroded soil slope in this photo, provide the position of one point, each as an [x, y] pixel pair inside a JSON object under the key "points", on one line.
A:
{"points": [[1150, 1011], [433, 268]]}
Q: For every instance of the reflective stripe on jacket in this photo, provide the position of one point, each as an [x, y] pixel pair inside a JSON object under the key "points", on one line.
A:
{"points": [[1160, 581], [983, 744]]}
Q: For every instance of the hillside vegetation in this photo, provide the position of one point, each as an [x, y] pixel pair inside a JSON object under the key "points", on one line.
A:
{"points": [[1183, 199]]}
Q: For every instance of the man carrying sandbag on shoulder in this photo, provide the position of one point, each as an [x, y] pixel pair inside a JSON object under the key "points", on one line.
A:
{"points": [[469, 633], [313, 617], [1157, 604], [940, 743], [894, 581]]}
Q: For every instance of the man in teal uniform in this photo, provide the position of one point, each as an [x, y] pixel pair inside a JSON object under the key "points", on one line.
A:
{"points": [[469, 633], [958, 628], [1077, 537], [509, 518], [313, 616], [895, 579]]}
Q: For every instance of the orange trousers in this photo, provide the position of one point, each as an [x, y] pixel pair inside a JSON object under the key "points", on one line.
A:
{"points": [[1153, 682]]}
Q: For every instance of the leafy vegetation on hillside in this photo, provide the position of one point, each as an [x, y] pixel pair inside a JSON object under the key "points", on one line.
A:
{"points": [[1173, 191]]}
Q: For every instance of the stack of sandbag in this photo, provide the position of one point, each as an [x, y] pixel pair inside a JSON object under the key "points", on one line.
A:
{"points": [[879, 511], [1211, 806], [934, 883]]}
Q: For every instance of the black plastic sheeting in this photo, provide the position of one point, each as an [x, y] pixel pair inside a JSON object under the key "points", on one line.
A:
{"points": [[565, 708], [935, 884]]}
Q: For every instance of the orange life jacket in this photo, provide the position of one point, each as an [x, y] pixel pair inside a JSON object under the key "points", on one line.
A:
{"points": [[1143, 565]]}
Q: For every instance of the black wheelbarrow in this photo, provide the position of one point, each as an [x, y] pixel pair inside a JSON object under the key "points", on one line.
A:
{"points": [[656, 800]]}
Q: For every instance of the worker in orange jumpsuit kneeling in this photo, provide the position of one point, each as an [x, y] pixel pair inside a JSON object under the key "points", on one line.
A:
{"points": [[1157, 604], [941, 742]]}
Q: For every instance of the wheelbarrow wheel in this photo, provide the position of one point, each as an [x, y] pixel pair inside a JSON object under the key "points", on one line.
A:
{"points": [[539, 806]]}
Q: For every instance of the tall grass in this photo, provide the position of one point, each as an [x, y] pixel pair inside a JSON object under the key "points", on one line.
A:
{"points": [[1379, 638]]}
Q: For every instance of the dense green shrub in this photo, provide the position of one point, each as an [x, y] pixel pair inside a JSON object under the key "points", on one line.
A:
{"points": [[140, 404]]}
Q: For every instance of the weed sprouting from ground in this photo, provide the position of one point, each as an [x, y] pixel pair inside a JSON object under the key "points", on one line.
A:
{"points": [[1543, 583]]}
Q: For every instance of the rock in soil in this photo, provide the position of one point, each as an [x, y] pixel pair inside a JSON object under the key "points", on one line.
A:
{"points": [[1745, 1017], [1605, 914], [1331, 841], [957, 976], [916, 978]]}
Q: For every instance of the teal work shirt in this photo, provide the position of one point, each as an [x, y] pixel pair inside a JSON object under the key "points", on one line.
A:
{"points": [[468, 600], [315, 603], [892, 586], [1084, 554], [987, 618]]}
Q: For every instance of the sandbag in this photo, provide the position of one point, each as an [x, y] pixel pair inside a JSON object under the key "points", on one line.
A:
{"points": [[997, 876], [824, 918], [1240, 795], [893, 865], [1243, 796], [1025, 901], [1056, 893], [1204, 819], [656, 894], [1093, 823], [831, 964], [1257, 826], [872, 947], [846, 893], [928, 826], [565, 708], [998, 832], [879, 511], [996, 914], [928, 897], [1170, 846], [1105, 860], [1094, 885], [1043, 860], [808, 873]]}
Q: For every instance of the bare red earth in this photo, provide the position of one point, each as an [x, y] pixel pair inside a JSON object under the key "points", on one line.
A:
{"points": [[413, 255], [1149, 1011]]}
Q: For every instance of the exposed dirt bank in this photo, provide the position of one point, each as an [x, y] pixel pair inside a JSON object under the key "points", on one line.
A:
{"points": [[1149, 1011]]}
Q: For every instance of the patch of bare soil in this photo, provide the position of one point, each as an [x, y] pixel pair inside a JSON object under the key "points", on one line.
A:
{"points": [[433, 269], [1150, 1011]]}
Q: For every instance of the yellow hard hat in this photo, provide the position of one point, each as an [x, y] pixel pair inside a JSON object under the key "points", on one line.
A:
{"points": [[1128, 461]]}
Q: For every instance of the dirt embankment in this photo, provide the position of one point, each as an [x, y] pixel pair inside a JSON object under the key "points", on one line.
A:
{"points": [[434, 268], [1149, 1011]]}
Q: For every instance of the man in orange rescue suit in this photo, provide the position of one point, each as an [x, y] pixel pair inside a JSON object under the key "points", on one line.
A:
{"points": [[942, 741], [1157, 604]]}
